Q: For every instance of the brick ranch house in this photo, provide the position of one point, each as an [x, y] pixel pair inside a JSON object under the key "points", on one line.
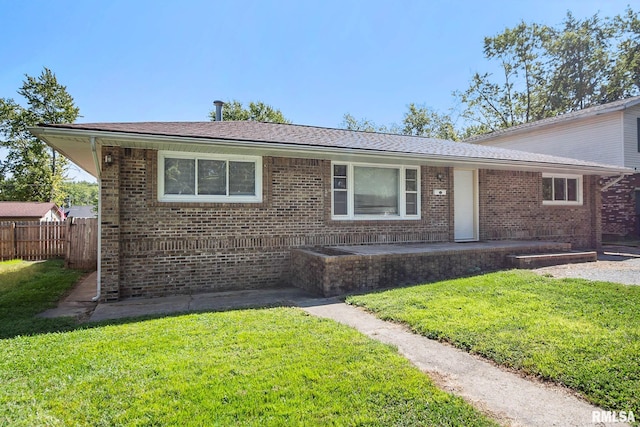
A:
{"points": [[607, 133], [204, 206]]}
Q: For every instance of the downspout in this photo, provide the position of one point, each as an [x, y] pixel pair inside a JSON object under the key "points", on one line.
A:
{"points": [[612, 183], [92, 139]]}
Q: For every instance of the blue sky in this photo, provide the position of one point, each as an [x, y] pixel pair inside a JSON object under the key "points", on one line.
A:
{"points": [[315, 61]]}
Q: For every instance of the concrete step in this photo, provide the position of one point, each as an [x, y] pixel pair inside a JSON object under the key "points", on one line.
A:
{"points": [[546, 260]]}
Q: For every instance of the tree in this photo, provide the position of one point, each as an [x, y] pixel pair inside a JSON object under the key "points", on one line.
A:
{"points": [[625, 77], [364, 125], [417, 121], [32, 171], [423, 121], [80, 193], [519, 98], [524, 46], [580, 62], [547, 71], [256, 111]]}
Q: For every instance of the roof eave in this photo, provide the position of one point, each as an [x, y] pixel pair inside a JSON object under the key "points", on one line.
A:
{"points": [[287, 149]]}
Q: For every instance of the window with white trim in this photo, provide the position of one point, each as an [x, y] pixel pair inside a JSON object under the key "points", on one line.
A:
{"points": [[365, 191], [561, 189], [189, 177]]}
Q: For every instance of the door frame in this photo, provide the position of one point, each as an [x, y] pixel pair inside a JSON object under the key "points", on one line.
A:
{"points": [[476, 214]]}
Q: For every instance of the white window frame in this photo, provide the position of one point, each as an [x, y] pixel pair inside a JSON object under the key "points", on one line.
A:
{"points": [[209, 198], [578, 202], [402, 191]]}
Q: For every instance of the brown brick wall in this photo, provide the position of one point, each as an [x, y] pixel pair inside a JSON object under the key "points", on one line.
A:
{"points": [[619, 217], [153, 248], [167, 248], [511, 208], [110, 245]]}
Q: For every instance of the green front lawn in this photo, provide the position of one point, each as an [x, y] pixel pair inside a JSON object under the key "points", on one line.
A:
{"points": [[247, 367], [583, 334], [275, 367]]}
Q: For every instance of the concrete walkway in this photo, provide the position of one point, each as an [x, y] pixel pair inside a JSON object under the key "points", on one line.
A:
{"points": [[79, 303], [214, 301], [503, 395]]}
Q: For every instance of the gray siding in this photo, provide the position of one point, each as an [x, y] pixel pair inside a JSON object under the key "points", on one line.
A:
{"points": [[595, 139]]}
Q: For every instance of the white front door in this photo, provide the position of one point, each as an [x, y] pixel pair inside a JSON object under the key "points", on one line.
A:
{"points": [[465, 205]]}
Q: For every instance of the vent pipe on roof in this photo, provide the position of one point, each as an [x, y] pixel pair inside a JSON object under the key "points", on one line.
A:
{"points": [[218, 105]]}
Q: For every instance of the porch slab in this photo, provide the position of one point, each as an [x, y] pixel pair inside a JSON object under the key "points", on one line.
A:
{"points": [[336, 270]]}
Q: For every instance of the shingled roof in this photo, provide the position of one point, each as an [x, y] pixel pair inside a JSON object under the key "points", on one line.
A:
{"points": [[258, 135], [610, 107], [34, 210]]}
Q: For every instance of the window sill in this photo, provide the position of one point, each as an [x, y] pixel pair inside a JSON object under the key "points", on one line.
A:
{"points": [[559, 203], [207, 205], [375, 218], [205, 200]]}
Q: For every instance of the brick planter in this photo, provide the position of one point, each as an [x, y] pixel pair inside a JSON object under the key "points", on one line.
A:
{"points": [[330, 271]]}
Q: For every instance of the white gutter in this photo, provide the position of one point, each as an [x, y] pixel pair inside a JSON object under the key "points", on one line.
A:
{"points": [[614, 182], [92, 139]]}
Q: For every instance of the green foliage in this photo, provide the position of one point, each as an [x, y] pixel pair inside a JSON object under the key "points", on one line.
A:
{"points": [[233, 110], [548, 71], [32, 171], [580, 56], [522, 96], [423, 121], [585, 335], [545, 71], [625, 73], [29, 288], [80, 193], [417, 121], [364, 125]]}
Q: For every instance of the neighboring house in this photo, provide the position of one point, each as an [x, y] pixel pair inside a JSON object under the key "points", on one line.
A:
{"points": [[30, 211], [202, 206], [81, 211], [606, 133]]}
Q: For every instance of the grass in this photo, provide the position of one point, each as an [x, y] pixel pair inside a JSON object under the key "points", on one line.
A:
{"points": [[29, 288], [585, 335], [275, 366]]}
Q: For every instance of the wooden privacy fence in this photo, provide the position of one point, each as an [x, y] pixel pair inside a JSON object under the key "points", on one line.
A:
{"points": [[75, 240], [32, 240], [81, 243]]}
